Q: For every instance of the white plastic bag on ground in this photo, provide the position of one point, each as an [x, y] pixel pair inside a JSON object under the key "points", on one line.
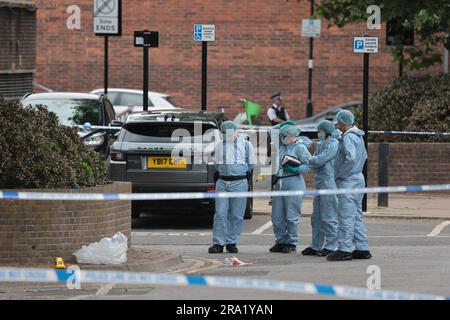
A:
{"points": [[107, 251]]}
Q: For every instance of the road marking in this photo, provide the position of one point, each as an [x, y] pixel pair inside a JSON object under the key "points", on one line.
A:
{"points": [[104, 290], [199, 265], [439, 228], [261, 229]]}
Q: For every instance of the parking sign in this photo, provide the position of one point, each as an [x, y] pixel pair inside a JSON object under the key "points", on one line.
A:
{"points": [[204, 32], [365, 45]]}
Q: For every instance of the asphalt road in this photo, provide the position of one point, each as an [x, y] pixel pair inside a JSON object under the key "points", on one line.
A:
{"points": [[411, 257]]}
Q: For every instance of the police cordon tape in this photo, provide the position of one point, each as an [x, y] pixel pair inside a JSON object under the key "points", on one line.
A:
{"points": [[25, 195], [420, 133], [411, 133], [255, 128], [119, 277]]}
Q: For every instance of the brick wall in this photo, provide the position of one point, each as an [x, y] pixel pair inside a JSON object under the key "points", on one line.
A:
{"points": [[39, 231], [259, 51], [413, 163], [409, 164]]}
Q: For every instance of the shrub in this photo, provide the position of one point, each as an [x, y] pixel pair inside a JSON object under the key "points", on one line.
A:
{"points": [[420, 103], [37, 152]]}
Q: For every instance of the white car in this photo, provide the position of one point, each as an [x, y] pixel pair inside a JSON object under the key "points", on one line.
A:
{"points": [[127, 101]]}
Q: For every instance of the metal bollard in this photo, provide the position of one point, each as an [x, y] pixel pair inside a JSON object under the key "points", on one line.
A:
{"points": [[383, 173]]}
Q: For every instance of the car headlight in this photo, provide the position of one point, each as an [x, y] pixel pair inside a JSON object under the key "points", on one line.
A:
{"points": [[95, 140]]}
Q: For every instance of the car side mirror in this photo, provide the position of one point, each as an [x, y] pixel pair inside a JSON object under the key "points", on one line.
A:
{"points": [[116, 123]]}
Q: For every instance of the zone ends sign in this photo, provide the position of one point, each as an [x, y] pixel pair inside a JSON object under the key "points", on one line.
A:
{"points": [[107, 16]]}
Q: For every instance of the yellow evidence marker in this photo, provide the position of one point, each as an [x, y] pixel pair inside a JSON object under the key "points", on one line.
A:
{"points": [[59, 263]]}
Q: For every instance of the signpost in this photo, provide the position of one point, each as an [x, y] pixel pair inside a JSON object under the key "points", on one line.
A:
{"points": [[310, 28], [365, 45], [146, 39], [107, 21], [204, 33]]}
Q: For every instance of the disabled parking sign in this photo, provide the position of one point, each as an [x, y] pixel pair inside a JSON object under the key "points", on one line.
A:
{"points": [[365, 45], [204, 32]]}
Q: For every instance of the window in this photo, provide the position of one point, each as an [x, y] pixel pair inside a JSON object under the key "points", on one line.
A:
{"points": [[15, 85], [113, 97], [133, 100], [145, 132], [72, 111], [111, 115]]}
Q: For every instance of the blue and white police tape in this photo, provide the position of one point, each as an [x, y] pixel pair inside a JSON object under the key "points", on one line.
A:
{"points": [[412, 133], [88, 126], [420, 133], [119, 277], [25, 195]]}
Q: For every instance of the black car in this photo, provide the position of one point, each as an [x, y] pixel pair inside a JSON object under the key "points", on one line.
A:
{"points": [[169, 151], [308, 126], [75, 109]]}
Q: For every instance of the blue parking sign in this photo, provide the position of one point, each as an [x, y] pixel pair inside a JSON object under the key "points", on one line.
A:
{"points": [[359, 44], [197, 28], [365, 44], [204, 32]]}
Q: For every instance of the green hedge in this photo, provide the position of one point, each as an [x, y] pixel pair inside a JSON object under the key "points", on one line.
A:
{"points": [[37, 152], [420, 103]]}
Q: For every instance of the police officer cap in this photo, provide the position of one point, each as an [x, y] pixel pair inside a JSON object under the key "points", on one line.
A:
{"points": [[276, 96]]}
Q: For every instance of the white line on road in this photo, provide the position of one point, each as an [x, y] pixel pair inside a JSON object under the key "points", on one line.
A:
{"points": [[261, 229], [439, 228], [105, 289]]}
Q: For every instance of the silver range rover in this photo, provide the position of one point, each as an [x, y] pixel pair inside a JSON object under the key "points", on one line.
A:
{"points": [[169, 151]]}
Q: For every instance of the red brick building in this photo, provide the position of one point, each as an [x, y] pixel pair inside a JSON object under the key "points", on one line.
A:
{"points": [[258, 51]]}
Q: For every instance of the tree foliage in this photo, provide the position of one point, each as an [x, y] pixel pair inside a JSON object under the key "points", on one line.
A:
{"points": [[430, 20], [38, 152]]}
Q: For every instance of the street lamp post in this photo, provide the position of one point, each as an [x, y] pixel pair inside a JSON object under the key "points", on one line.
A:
{"points": [[309, 104]]}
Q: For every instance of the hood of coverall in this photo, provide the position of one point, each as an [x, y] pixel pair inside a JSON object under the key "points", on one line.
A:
{"points": [[356, 131]]}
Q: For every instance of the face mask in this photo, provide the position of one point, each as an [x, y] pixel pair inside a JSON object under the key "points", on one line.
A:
{"points": [[322, 136], [228, 136], [285, 141]]}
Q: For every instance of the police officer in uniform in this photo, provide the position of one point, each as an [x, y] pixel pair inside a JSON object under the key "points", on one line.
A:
{"points": [[276, 113]]}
